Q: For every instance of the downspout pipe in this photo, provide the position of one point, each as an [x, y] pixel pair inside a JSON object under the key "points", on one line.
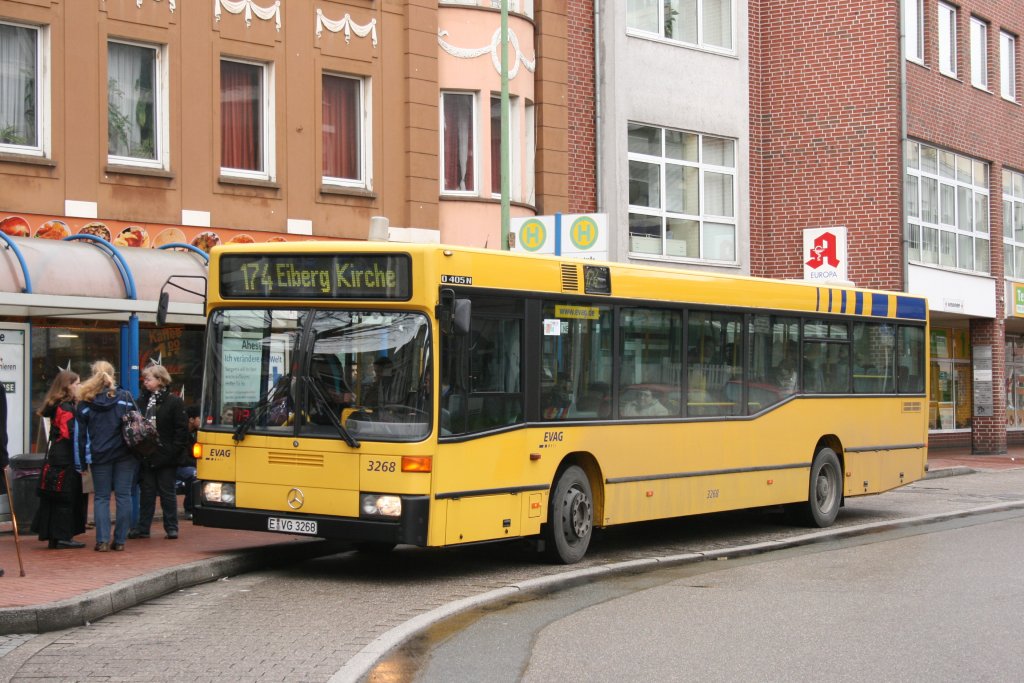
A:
{"points": [[904, 238]]}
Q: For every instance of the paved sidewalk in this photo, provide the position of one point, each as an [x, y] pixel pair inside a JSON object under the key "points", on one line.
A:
{"points": [[64, 588]]}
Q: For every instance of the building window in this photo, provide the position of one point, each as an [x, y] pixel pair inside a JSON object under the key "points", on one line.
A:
{"points": [[947, 209], [136, 115], [343, 126], [246, 117], [1008, 66], [979, 53], [1015, 382], [947, 39], [913, 28], [704, 23], [950, 403], [458, 142], [514, 147], [23, 107], [682, 199], [1013, 224]]}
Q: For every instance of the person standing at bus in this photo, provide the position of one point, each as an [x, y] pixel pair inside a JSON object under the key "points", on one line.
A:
{"points": [[157, 475], [61, 514], [101, 445], [186, 472], [4, 458]]}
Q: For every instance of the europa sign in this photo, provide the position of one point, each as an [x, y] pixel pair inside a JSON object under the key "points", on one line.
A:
{"points": [[824, 254]]}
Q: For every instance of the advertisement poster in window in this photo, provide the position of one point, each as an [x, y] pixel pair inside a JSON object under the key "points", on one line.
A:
{"points": [[12, 373]]}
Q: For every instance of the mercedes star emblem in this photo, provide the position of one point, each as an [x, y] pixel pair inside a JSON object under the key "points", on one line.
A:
{"points": [[295, 499]]}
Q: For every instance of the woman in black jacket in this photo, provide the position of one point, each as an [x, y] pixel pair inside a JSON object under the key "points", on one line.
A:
{"points": [[61, 514], [157, 474]]}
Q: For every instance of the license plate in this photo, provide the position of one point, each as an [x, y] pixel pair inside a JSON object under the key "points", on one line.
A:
{"points": [[292, 526]]}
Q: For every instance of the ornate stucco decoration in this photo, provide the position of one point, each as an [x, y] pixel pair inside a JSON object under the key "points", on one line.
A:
{"points": [[171, 4], [494, 48], [250, 8], [347, 25]]}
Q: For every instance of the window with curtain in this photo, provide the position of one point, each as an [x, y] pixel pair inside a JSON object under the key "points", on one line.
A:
{"points": [[19, 89], [947, 200], [1008, 65], [133, 114], [682, 194], [458, 142], [947, 39], [704, 23], [514, 148], [243, 142], [913, 29], [343, 130], [979, 53]]}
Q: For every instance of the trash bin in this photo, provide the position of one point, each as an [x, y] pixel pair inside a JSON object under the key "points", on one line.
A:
{"points": [[25, 471]]}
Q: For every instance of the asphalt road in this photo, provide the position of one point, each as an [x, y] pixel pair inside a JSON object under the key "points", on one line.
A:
{"points": [[933, 602], [334, 617]]}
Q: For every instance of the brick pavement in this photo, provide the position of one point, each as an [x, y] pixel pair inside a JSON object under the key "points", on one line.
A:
{"points": [[59, 576]]}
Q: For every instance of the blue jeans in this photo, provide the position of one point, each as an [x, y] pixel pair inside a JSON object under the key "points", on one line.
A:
{"points": [[114, 476]]}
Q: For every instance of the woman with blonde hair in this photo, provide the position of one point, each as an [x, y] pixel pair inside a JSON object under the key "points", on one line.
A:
{"points": [[157, 475], [100, 408], [62, 506]]}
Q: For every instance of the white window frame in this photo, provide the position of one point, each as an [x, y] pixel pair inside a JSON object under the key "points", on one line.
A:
{"points": [[514, 149], [364, 139], [1008, 66], [266, 130], [700, 43], [947, 39], [1013, 216], [160, 107], [968, 176], [979, 53], [913, 30], [41, 148], [702, 217], [475, 139]]}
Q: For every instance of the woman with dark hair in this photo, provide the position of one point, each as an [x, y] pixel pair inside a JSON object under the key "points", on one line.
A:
{"points": [[157, 475], [61, 514]]}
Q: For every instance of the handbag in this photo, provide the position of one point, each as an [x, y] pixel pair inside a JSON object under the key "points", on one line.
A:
{"points": [[53, 482], [139, 434]]}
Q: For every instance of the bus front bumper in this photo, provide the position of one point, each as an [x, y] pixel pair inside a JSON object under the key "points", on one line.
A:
{"points": [[410, 528]]}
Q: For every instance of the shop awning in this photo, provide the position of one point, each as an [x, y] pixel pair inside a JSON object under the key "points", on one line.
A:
{"points": [[83, 280]]}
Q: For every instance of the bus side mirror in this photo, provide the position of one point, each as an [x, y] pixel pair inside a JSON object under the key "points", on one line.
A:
{"points": [[453, 315], [161, 308], [461, 312]]}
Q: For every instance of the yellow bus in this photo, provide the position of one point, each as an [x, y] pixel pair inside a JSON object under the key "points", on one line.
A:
{"points": [[436, 395]]}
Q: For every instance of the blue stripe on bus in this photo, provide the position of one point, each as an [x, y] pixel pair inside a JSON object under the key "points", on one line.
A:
{"points": [[842, 308], [912, 309], [830, 301], [859, 307], [880, 304]]}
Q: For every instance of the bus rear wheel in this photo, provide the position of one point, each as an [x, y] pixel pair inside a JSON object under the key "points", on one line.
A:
{"points": [[825, 492], [570, 518]]}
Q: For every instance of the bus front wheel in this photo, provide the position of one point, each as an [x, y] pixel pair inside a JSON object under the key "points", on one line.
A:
{"points": [[825, 492], [570, 518]]}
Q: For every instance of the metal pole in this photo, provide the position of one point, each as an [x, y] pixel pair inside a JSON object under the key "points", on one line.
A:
{"points": [[505, 116]]}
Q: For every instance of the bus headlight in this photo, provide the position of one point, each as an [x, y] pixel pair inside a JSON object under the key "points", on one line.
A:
{"points": [[219, 493], [377, 505]]}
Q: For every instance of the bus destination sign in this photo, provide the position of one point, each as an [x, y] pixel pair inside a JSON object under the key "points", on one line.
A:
{"points": [[316, 276]]}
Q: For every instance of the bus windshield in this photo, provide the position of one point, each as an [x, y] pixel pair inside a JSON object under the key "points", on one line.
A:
{"points": [[354, 374]]}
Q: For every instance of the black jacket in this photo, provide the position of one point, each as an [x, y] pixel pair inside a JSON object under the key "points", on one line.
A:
{"points": [[171, 425]]}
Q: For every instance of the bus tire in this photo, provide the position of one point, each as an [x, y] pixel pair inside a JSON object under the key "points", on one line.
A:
{"points": [[825, 491], [570, 523]]}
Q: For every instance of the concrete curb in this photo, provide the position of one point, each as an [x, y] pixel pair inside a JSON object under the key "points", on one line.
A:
{"points": [[84, 609], [361, 664], [949, 472]]}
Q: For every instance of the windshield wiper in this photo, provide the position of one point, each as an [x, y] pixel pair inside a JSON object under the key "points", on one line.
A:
{"points": [[283, 386], [325, 407]]}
